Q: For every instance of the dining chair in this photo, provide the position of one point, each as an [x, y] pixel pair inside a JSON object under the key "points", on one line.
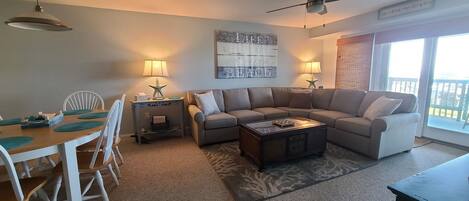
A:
{"points": [[91, 163], [83, 100], [19, 189], [90, 147]]}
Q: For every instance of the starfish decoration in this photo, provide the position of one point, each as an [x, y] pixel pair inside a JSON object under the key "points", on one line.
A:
{"points": [[312, 83], [158, 89]]}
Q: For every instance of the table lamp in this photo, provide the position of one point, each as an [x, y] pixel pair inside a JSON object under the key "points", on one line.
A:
{"points": [[156, 68], [312, 68]]}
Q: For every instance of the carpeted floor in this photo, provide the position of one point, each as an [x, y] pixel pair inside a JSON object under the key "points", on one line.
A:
{"points": [[176, 169]]}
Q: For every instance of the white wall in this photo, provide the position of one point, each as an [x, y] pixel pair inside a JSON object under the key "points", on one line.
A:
{"points": [[329, 61], [105, 53]]}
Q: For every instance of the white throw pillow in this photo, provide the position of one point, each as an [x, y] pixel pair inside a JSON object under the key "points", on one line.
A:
{"points": [[383, 106], [206, 102]]}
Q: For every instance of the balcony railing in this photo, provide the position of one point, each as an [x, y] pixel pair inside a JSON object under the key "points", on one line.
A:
{"points": [[449, 98]]}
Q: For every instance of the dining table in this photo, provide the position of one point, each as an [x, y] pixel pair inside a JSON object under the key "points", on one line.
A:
{"points": [[47, 141]]}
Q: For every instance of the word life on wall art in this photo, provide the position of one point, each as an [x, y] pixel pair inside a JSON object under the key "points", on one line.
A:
{"points": [[245, 55]]}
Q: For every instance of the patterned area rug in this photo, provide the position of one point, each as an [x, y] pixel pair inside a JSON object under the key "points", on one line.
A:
{"points": [[246, 183]]}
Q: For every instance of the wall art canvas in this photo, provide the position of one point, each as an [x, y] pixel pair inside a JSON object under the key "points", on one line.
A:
{"points": [[245, 55]]}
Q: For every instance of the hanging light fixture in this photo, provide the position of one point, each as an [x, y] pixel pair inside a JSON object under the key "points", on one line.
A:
{"points": [[37, 20]]}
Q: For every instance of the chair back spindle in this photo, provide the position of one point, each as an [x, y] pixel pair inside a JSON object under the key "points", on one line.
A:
{"points": [[83, 100]]}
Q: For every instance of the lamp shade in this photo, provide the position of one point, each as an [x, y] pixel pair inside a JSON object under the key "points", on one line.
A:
{"points": [[312, 68], [155, 68]]}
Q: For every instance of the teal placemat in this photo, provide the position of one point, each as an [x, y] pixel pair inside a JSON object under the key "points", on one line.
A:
{"points": [[8, 122], [94, 115], [13, 142], [78, 126], [75, 112]]}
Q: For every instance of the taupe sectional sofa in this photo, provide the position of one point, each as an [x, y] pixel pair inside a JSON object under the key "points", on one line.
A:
{"points": [[341, 109]]}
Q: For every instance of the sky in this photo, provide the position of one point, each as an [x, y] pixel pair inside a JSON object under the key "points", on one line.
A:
{"points": [[451, 62]]}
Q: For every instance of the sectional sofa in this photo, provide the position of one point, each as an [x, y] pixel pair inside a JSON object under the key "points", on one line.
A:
{"points": [[341, 109]]}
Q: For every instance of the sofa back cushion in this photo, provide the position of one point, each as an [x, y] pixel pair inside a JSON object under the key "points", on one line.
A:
{"points": [[236, 99], [261, 97], [281, 96], [300, 99], [322, 98], [217, 94], [347, 100], [409, 101]]}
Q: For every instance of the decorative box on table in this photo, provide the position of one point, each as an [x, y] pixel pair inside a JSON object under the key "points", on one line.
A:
{"points": [[42, 120]]}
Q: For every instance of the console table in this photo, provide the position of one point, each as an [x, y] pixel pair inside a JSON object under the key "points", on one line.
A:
{"points": [[448, 181], [172, 108]]}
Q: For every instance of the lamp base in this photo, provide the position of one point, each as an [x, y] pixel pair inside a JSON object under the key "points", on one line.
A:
{"points": [[158, 91], [312, 83]]}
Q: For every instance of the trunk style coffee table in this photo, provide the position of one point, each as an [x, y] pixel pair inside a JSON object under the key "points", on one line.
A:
{"points": [[266, 143]]}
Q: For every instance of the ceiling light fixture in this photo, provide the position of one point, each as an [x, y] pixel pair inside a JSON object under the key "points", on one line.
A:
{"points": [[37, 20]]}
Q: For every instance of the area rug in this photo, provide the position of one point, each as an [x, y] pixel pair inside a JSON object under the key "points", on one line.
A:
{"points": [[246, 183]]}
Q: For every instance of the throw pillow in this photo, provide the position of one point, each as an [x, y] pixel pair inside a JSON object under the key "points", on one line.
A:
{"points": [[383, 106], [206, 102], [301, 99]]}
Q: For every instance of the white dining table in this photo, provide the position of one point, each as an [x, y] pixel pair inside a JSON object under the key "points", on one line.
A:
{"points": [[46, 142]]}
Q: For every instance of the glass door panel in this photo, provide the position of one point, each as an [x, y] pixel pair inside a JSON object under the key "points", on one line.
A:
{"points": [[449, 95], [405, 63]]}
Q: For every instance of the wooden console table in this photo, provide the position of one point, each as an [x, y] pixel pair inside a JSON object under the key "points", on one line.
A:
{"points": [[172, 108], [448, 181]]}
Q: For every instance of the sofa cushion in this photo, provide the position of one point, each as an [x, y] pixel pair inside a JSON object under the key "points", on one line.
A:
{"points": [[206, 102], [220, 120], [357, 125], [236, 99], [247, 116], [261, 97], [322, 98], [347, 100], [298, 112], [217, 94], [281, 96], [382, 106], [409, 101], [272, 113], [300, 99], [328, 117]]}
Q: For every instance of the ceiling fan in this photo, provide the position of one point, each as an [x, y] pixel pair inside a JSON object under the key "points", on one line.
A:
{"points": [[312, 6]]}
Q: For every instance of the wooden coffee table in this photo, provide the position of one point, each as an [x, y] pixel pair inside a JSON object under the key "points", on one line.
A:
{"points": [[266, 143]]}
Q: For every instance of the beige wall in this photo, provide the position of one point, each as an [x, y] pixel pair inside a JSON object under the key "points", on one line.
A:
{"points": [[105, 53]]}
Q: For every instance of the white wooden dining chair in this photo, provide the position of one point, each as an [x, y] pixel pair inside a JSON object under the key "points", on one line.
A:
{"points": [[92, 163], [83, 100], [118, 157], [117, 139], [19, 189]]}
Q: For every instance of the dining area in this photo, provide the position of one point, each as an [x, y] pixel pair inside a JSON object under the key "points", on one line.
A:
{"points": [[69, 150]]}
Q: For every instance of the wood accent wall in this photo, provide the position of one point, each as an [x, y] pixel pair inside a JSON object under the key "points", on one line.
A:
{"points": [[354, 59]]}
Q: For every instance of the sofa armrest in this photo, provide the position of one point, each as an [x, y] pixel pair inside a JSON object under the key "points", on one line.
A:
{"points": [[196, 114], [393, 134], [394, 121]]}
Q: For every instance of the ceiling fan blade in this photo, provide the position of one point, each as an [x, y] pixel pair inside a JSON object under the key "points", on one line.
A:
{"points": [[271, 11], [327, 1], [324, 10]]}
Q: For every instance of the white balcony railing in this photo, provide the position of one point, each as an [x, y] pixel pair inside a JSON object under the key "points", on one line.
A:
{"points": [[449, 98]]}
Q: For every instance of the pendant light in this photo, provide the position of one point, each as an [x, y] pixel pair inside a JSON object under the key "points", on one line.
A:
{"points": [[37, 20]]}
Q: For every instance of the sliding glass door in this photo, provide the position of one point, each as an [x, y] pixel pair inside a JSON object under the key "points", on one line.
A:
{"points": [[436, 70], [448, 97]]}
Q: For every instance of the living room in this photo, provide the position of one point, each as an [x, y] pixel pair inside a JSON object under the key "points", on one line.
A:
{"points": [[234, 100]]}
